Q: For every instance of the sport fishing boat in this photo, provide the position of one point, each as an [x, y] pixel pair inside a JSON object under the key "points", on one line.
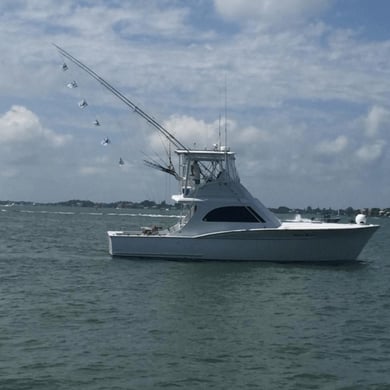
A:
{"points": [[222, 221], [225, 222]]}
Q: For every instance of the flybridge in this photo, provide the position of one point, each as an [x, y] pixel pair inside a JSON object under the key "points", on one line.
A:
{"points": [[206, 166]]}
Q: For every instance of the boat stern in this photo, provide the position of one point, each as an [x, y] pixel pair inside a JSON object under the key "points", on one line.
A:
{"points": [[109, 235]]}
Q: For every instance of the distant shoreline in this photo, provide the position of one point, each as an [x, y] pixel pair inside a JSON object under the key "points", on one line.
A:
{"points": [[148, 204]]}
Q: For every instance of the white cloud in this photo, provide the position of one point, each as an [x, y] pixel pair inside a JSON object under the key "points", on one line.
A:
{"points": [[249, 135], [199, 133], [335, 146], [270, 11], [377, 118], [190, 131], [20, 125], [371, 152], [28, 150]]}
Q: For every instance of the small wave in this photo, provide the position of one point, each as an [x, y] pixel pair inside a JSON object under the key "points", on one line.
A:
{"points": [[144, 215], [56, 212], [158, 215], [47, 212]]}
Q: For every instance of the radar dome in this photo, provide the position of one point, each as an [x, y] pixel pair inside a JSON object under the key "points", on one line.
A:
{"points": [[361, 219]]}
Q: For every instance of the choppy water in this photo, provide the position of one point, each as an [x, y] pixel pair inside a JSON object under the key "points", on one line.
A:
{"points": [[73, 318]]}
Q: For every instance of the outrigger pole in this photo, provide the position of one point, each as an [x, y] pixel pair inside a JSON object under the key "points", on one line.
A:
{"points": [[128, 102]]}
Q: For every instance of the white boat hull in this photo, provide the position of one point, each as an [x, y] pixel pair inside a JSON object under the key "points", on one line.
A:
{"points": [[299, 243]]}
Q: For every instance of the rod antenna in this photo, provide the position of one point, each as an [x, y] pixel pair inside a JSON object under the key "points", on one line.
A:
{"points": [[226, 144]]}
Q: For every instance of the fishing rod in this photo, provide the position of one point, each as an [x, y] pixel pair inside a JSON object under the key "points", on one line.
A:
{"points": [[171, 138], [168, 135]]}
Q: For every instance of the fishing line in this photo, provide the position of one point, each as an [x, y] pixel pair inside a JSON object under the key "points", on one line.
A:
{"points": [[95, 120]]}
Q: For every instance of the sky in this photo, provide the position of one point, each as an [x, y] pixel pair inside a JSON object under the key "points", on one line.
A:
{"points": [[304, 86]]}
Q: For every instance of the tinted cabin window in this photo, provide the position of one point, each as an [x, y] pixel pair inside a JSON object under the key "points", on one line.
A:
{"points": [[233, 214]]}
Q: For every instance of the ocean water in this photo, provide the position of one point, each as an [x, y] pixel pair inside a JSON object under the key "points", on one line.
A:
{"points": [[71, 317]]}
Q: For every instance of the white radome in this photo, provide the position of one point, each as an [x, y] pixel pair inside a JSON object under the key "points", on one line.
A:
{"points": [[361, 219]]}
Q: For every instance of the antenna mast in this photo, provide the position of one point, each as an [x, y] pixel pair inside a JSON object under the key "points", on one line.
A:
{"points": [[226, 144]]}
